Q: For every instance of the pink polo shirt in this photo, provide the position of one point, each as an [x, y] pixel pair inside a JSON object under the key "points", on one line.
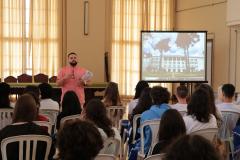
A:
{"points": [[72, 83]]}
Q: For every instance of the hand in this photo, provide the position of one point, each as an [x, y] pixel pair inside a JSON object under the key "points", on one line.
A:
{"points": [[81, 82]]}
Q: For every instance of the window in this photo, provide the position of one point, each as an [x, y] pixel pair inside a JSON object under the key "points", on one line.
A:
{"points": [[129, 18], [30, 37]]}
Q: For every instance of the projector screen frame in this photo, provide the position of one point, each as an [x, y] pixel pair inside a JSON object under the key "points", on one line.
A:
{"points": [[174, 81]]}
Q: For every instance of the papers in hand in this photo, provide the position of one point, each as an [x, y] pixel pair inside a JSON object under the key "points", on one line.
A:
{"points": [[87, 76]]}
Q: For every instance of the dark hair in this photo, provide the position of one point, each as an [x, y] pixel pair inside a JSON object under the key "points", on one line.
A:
{"points": [[4, 95], [139, 88], [71, 54], [33, 91], [212, 105], [191, 147], [79, 140], [182, 91], [199, 106], [160, 95], [32, 88], [111, 95], [172, 125], [97, 113], [46, 90], [144, 102], [25, 109], [70, 104], [228, 90]]}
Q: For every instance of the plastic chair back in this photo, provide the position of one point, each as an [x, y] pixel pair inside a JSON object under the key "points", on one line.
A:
{"points": [[229, 120], [111, 146], [156, 157], [115, 113], [154, 127], [105, 157], [5, 117], [67, 118], [208, 133], [30, 142]]}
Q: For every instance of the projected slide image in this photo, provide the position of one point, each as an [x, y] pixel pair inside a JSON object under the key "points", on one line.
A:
{"points": [[173, 56]]}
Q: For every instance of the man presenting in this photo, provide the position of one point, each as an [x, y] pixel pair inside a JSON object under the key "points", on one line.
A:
{"points": [[70, 78]]}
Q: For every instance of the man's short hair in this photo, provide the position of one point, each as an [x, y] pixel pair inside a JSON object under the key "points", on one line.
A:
{"points": [[228, 90], [71, 54], [159, 95], [182, 91], [46, 90]]}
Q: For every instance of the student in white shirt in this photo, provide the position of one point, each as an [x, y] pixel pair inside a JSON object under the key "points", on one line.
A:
{"points": [[46, 94], [198, 115], [228, 92], [181, 94]]}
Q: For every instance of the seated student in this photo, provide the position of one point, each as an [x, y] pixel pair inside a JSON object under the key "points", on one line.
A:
{"points": [[70, 106], [46, 93], [213, 109], [181, 94], [111, 96], [35, 93], [4, 96], [198, 114], [160, 97], [192, 147], [228, 92], [172, 126], [138, 90], [144, 104], [79, 140], [95, 112], [25, 112]]}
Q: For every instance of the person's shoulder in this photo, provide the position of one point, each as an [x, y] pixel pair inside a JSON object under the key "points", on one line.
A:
{"points": [[188, 118], [146, 115]]}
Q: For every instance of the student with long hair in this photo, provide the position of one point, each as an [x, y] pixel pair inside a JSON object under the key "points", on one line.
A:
{"points": [[172, 126], [213, 109], [111, 96], [70, 106], [144, 104], [141, 85], [25, 112], [96, 112], [35, 93], [199, 115]]}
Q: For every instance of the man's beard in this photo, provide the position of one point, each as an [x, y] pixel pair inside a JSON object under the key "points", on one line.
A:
{"points": [[73, 64]]}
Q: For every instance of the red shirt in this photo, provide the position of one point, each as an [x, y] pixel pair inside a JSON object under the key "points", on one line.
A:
{"points": [[72, 83]]}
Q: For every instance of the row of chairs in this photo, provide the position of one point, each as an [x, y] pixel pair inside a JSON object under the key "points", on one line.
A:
{"points": [[225, 132], [6, 116], [31, 144], [25, 78]]}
